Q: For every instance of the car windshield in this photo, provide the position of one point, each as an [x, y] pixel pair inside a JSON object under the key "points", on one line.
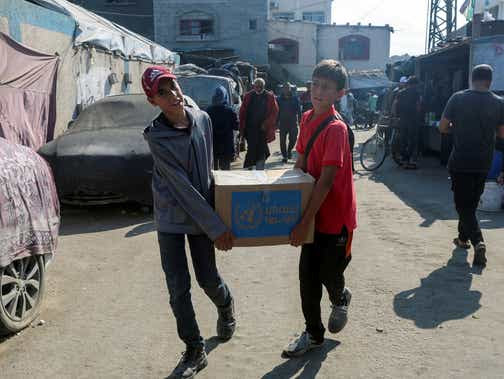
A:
{"points": [[202, 88], [117, 111]]}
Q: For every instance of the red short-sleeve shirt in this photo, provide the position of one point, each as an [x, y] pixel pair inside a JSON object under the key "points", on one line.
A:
{"points": [[331, 148]]}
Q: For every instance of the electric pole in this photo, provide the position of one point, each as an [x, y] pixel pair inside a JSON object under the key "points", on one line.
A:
{"points": [[442, 22]]}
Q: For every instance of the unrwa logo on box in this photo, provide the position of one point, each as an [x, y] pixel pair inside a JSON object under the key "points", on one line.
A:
{"points": [[265, 213]]}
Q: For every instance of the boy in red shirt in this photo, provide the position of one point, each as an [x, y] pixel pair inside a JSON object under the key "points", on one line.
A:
{"points": [[332, 205]]}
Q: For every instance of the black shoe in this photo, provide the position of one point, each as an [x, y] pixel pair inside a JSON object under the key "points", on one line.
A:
{"points": [[193, 360], [289, 156], [226, 323], [284, 160], [480, 255]]}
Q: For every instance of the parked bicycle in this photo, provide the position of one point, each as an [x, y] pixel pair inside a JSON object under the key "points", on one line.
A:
{"points": [[385, 141], [365, 119]]}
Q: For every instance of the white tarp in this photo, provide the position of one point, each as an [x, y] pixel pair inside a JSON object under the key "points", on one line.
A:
{"points": [[369, 79], [99, 32]]}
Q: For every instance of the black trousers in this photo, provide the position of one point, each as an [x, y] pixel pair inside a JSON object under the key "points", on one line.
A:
{"points": [[467, 190], [292, 133], [222, 163], [322, 263], [410, 139]]}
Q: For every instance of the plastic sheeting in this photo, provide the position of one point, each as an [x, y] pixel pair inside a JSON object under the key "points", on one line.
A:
{"points": [[29, 207], [27, 94], [369, 79], [99, 32]]}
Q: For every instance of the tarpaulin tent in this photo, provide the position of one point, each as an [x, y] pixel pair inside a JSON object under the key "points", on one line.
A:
{"points": [[27, 94]]}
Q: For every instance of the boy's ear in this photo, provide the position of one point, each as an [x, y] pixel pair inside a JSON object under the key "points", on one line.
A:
{"points": [[151, 101], [341, 93]]}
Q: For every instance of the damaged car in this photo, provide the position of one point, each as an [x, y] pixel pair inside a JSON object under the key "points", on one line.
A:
{"points": [[103, 158]]}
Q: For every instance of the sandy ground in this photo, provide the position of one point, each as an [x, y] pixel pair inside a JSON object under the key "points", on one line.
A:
{"points": [[419, 309]]}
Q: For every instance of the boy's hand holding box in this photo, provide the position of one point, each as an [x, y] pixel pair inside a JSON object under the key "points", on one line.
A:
{"points": [[262, 207]]}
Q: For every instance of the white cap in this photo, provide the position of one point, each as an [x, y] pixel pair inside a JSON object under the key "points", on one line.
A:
{"points": [[404, 79]]}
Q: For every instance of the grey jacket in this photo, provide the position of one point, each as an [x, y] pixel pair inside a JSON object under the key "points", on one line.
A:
{"points": [[182, 181]]}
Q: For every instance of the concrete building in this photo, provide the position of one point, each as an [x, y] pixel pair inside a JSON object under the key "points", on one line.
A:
{"points": [[95, 60], [190, 25], [296, 46], [137, 16], [301, 10]]}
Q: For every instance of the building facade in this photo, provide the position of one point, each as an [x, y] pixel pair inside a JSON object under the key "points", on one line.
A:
{"points": [[195, 25], [296, 46], [301, 10], [134, 15]]}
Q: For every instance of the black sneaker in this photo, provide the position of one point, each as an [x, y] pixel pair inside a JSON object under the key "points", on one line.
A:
{"points": [[193, 360], [339, 314], [226, 323], [480, 255]]}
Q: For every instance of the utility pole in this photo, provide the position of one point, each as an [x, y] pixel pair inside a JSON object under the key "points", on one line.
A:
{"points": [[442, 22]]}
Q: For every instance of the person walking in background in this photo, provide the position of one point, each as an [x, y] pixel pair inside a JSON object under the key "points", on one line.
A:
{"points": [[408, 109], [289, 115], [474, 117], [258, 117], [225, 123], [306, 103]]}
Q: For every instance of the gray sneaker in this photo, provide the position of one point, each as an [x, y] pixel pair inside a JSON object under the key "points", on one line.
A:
{"points": [[339, 314], [301, 345]]}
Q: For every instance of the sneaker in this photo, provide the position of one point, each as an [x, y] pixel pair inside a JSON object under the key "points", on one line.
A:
{"points": [[301, 345], [226, 323], [339, 313], [480, 255], [193, 360]]}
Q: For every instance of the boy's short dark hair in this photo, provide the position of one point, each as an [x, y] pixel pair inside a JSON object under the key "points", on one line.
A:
{"points": [[333, 70], [482, 73]]}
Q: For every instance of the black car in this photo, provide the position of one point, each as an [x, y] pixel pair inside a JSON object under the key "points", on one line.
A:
{"points": [[103, 158]]}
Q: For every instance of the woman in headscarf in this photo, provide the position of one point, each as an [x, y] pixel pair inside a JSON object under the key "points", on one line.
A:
{"points": [[224, 123]]}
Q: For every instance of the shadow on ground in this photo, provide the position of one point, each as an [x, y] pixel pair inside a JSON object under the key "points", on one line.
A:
{"points": [[83, 220], [442, 296], [426, 190], [309, 364]]}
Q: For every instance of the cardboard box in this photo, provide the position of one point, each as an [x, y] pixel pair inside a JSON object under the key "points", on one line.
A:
{"points": [[262, 207]]}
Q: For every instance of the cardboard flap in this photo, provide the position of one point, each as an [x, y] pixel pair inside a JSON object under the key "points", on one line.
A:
{"points": [[254, 178]]}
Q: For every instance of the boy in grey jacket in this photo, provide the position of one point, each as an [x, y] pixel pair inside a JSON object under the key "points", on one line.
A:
{"points": [[180, 140]]}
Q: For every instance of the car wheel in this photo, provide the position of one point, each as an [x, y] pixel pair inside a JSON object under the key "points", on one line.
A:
{"points": [[22, 285]]}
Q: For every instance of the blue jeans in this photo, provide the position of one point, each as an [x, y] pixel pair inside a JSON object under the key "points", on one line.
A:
{"points": [[178, 280]]}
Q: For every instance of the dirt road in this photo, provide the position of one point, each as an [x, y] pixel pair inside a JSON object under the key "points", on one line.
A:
{"points": [[418, 308]]}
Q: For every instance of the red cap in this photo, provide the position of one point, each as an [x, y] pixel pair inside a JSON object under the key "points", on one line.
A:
{"points": [[151, 78]]}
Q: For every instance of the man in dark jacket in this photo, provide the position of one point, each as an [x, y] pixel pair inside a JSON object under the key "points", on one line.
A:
{"points": [[258, 116], [408, 109], [474, 116], [180, 140], [289, 115], [224, 123]]}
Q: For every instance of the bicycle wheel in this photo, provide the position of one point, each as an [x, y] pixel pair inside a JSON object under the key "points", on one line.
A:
{"points": [[373, 153]]}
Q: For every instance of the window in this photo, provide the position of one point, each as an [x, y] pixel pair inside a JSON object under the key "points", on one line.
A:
{"points": [[196, 24], [314, 17], [283, 16], [284, 50], [253, 24], [196, 27], [354, 47]]}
